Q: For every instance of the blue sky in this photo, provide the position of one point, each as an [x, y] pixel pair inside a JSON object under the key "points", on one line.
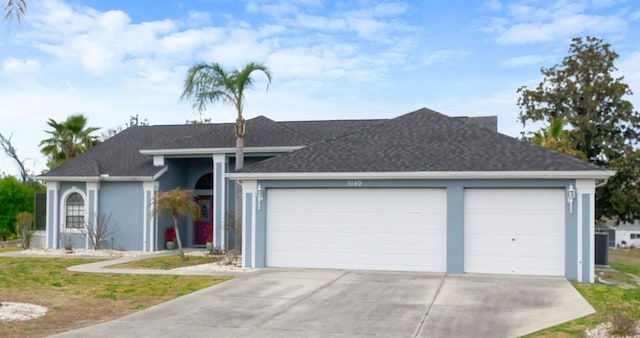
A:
{"points": [[330, 60]]}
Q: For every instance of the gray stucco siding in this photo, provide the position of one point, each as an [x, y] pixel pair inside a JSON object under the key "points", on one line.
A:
{"points": [[124, 202], [455, 211], [196, 168]]}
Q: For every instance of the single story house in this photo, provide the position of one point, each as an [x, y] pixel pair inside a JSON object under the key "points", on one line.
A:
{"points": [[420, 192]]}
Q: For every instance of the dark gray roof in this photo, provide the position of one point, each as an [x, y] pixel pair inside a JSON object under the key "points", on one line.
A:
{"points": [[421, 141], [328, 129], [488, 122], [120, 155], [261, 132]]}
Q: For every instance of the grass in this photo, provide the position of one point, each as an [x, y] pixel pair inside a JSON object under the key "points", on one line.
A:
{"points": [[10, 248], [612, 303], [76, 300], [166, 262]]}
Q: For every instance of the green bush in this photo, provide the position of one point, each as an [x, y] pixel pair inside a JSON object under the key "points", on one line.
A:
{"points": [[15, 197]]}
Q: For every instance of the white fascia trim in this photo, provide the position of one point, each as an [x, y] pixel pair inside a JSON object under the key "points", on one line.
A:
{"points": [[103, 178], [160, 173], [69, 178], [209, 151], [591, 174]]}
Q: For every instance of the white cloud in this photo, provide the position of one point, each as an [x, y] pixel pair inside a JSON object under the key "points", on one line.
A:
{"points": [[531, 22], [630, 69], [493, 5], [527, 60], [18, 66]]}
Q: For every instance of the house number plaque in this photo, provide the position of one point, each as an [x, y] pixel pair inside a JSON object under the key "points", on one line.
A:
{"points": [[354, 183]]}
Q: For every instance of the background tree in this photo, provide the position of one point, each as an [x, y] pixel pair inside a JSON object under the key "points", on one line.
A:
{"points": [[68, 139], [210, 83], [176, 202], [602, 125], [12, 152], [15, 197], [134, 120], [556, 138], [14, 10]]}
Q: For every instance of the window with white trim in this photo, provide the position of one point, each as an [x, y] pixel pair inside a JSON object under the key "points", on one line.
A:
{"points": [[74, 211], [635, 236]]}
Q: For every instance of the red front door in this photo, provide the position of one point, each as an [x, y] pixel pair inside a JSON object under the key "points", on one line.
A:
{"points": [[203, 226]]}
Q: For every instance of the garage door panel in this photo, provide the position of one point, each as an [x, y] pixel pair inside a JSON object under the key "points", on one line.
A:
{"points": [[518, 231], [398, 229]]}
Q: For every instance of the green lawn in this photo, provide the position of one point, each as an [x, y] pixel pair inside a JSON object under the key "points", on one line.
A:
{"points": [[620, 303], [77, 299], [166, 262]]}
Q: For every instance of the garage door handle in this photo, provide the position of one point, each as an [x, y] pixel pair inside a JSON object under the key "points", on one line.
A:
{"points": [[513, 239]]}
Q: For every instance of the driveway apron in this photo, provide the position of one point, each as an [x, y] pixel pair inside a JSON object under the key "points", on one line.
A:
{"points": [[339, 303]]}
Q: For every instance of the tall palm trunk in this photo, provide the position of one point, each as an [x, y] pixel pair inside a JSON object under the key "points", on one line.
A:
{"points": [[238, 216]]}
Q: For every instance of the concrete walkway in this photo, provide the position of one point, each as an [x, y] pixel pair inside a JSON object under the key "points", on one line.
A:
{"points": [[102, 266], [343, 303]]}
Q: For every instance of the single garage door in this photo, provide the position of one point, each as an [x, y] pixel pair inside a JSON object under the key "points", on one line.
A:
{"points": [[376, 229], [514, 231]]}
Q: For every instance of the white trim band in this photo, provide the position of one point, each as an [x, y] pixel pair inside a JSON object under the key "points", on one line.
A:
{"points": [[586, 174]]}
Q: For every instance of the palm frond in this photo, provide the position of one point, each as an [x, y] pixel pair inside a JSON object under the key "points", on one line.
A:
{"points": [[15, 9]]}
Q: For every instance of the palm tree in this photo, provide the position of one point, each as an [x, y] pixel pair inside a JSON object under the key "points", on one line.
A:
{"points": [[210, 83], [176, 202], [556, 138], [14, 9], [68, 139]]}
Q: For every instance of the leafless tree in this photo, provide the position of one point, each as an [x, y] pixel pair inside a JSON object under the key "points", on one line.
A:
{"points": [[98, 232], [12, 152]]}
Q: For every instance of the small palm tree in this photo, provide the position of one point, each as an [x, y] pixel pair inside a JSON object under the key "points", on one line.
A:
{"points": [[556, 138], [176, 202]]}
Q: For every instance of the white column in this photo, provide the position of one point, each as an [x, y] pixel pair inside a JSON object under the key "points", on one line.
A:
{"points": [[249, 189], [219, 199], [52, 213], [148, 189], [586, 187], [92, 190]]}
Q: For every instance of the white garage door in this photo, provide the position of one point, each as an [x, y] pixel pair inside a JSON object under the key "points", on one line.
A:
{"points": [[377, 229], [514, 231]]}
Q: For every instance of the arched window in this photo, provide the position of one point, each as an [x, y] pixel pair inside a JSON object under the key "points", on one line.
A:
{"points": [[74, 211], [205, 182]]}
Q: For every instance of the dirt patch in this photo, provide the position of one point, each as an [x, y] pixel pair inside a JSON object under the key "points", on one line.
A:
{"points": [[66, 313], [614, 277]]}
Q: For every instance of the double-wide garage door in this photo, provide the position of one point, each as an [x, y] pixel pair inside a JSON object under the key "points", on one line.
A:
{"points": [[512, 231], [377, 229]]}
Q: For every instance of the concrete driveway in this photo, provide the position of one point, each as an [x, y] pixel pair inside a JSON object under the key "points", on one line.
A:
{"points": [[339, 303]]}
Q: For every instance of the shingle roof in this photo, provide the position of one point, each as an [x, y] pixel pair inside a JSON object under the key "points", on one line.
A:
{"points": [[261, 132], [120, 155], [421, 141], [328, 129]]}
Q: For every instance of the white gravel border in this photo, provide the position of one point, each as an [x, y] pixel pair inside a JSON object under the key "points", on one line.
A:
{"points": [[82, 252], [10, 311]]}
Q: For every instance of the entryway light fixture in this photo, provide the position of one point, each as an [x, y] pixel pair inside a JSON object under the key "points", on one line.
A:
{"points": [[259, 196], [571, 196]]}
